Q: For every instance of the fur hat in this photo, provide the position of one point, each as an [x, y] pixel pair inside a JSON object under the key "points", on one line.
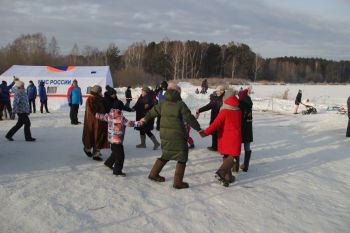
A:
{"points": [[220, 88], [19, 84], [96, 89]]}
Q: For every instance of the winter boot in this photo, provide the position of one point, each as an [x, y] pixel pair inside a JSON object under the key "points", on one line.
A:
{"points": [[157, 167], [143, 142], [222, 173], [179, 175], [97, 156], [87, 152], [245, 165], [155, 142]]}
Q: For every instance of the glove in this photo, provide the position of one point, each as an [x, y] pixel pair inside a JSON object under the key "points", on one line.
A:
{"points": [[70, 105], [12, 117]]}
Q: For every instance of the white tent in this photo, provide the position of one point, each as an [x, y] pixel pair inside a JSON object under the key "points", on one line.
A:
{"points": [[59, 78]]}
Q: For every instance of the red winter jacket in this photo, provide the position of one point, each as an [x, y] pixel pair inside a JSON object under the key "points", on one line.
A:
{"points": [[228, 126]]}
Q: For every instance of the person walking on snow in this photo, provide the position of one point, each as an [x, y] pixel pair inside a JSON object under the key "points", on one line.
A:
{"points": [[95, 132], [246, 106], [75, 99], [116, 130], [214, 105], [228, 126], [142, 106], [128, 96], [348, 130], [43, 97], [160, 97], [32, 93], [297, 102], [6, 101], [174, 114], [21, 108]]}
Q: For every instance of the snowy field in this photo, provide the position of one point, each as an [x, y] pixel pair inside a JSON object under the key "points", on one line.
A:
{"points": [[298, 181]]}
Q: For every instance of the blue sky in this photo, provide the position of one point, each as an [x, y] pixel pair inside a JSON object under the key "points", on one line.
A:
{"points": [[272, 28]]}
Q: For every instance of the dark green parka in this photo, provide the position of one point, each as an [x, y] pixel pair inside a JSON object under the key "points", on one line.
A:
{"points": [[174, 114]]}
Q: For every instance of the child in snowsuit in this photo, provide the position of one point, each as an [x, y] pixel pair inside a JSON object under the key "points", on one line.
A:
{"points": [[228, 126], [116, 130]]}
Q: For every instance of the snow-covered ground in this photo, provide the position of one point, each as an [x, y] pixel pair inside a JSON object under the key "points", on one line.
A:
{"points": [[299, 179]]}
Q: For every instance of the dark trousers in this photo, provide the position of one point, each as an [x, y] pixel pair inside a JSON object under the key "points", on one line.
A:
{"points": [[23, 119], [1, 109], [74, 113], [348, 130], [8, 107], [128, 103], [42, 104], [214, 140], [149, 133], [116, 158], [32, 103]]}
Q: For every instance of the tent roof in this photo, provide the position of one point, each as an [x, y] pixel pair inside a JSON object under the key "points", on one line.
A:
{"points": [[57, 71]]}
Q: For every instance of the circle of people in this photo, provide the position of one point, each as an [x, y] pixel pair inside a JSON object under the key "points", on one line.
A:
{"points": [[104, 124]]}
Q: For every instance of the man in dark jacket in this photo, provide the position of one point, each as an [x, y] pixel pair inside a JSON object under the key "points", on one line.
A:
{"points": [[214, 105], [174, 114], [32, 93], [348, 131], [112, 101], [6, 95], [128, 96], [43, 97], [246, 106], [297, 102]]}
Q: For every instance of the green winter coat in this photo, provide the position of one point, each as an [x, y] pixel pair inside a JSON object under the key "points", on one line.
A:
{"points": [[174, 114]]}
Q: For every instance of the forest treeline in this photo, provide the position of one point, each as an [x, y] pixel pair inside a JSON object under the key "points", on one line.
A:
{"points": [[151, 62]]}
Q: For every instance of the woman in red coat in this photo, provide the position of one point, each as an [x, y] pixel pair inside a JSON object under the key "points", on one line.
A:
{"points": [[228, 126]]}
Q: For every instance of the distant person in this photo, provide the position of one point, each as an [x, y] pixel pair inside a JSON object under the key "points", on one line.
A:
{"points": [[246, 106], [142, 106], [21, 108], [6, 95], [75, 99], [197, 91], [2, 97], [297, 102], [204, 86], [160, 97], [348, 130], [128, 96], [43, 97], [116, 130], [95, 132], [32, 93], [214, 105]]}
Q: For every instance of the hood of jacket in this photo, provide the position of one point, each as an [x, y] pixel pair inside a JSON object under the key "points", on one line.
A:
{"points": [[231, 103], [172, 96]]}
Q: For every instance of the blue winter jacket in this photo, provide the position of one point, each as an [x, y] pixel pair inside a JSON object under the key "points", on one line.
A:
{"points": [[75, 96], [160, 95], [32, 92], [42, 92], [6, 91], [20, 101]]}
